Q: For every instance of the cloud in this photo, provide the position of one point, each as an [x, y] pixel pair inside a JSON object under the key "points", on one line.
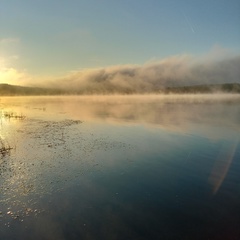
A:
{"points": [[218, 66], [9, 40]]}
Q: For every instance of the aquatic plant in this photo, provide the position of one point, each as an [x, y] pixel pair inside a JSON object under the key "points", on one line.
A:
{"points": [[13, 115], [4, 148]]}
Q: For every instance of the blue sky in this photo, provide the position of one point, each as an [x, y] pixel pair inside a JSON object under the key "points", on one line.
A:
{"points": [[54, 37]]}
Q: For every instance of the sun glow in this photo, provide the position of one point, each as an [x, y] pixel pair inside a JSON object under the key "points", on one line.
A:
{"points": [[12, 76], [9, 74]]}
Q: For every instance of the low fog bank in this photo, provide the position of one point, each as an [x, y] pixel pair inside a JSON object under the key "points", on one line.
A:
{"points": [[204, 115], [167, 75]]}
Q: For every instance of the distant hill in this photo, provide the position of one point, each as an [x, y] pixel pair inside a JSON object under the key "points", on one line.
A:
{"points": [[13, 90], [211, 88]]}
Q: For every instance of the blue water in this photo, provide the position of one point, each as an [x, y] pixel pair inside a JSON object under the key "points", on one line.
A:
{"points": [[130, 169]]}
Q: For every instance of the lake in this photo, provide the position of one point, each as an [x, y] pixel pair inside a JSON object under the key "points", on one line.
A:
{"points": [[120, 167]]}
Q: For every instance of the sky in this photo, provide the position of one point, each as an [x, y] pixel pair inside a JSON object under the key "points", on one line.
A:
{"points": [[56, 40]]}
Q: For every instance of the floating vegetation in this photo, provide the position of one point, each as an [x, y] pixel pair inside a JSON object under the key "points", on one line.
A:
{"points": [[49, 133], [4, 148], [13, 115]]}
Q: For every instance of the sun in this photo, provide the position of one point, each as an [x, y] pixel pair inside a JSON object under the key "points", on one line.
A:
{"points": [[8, 75], [11, 75]]}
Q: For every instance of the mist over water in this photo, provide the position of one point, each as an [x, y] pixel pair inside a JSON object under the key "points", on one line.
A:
{"points": [[174, 110]]}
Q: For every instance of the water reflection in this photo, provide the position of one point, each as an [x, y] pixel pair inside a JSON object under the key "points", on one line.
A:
{"points": [[138, 164], [177, 113]]}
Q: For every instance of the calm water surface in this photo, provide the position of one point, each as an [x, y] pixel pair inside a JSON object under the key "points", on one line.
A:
{"points": [[116, 167]]}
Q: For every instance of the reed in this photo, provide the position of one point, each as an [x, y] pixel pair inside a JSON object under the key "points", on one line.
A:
{"points": [[4, 148], [10, 115]]}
